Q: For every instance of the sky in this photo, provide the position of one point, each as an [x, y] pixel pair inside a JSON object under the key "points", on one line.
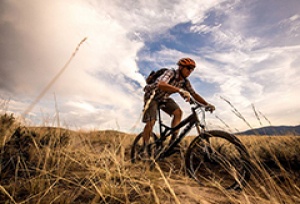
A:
{"points": [[247, 52]]}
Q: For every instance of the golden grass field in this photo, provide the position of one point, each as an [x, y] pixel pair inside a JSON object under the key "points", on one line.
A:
{"points": [[52, 165]]}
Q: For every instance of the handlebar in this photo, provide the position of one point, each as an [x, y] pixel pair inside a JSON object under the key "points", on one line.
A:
{"points": [[200, 105]]}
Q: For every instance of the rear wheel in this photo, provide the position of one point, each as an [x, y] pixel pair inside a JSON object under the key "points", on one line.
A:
{"points": [[139, 151], [218, 157]]}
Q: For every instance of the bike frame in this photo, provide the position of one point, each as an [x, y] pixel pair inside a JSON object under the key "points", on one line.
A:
{"points": [[188, 123], [200, 150]]}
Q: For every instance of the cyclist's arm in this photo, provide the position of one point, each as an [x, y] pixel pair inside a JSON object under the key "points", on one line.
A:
{"points": [[195, 95], [173, 89], [167, 87], [199, 99]]}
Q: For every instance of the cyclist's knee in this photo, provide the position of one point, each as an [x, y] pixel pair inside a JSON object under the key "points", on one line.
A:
{"points": [[177, 113]]}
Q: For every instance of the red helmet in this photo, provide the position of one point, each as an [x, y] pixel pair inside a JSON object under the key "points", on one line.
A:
{"points": [[186, 62]]}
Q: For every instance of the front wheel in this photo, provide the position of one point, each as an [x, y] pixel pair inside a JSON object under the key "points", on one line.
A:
{"points": [[138, 149], [218, 157]]}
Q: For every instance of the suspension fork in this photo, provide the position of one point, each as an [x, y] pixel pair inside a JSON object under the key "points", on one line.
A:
{"points": [[207, 145], [198, 128], [197, 124]]}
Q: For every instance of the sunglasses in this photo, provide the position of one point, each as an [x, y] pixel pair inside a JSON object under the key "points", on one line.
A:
{"points": [[190, 68]]}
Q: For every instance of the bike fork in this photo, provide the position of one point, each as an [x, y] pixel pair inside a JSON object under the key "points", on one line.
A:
{"points": [[207, 147], [198, 127]]}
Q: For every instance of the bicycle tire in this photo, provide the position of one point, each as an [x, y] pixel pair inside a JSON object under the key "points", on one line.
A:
{"points": [[137, 147], [220, 157]]}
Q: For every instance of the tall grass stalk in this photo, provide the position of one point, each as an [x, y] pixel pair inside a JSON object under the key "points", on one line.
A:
{"points": [[236, 112], [48, 86]]}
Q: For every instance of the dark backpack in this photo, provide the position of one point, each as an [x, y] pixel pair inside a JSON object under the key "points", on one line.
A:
{"points": [[155, 74]]}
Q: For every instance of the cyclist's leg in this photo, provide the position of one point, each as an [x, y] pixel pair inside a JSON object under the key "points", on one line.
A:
{"points": [[147, 131], [149, 118], [174, 110], [177, 114]]}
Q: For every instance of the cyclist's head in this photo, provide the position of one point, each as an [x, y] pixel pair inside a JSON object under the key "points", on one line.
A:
{"points": [[186, 66], [187, 62]]}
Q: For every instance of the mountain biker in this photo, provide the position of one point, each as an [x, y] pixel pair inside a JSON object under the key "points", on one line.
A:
{"points": [[171, 81]]}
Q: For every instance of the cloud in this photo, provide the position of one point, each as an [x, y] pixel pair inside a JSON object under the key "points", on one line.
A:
{"points": [[266, 77], [40, 39]]}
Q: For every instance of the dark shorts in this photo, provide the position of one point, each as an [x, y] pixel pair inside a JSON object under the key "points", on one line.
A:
{"points": [[151, 113]]}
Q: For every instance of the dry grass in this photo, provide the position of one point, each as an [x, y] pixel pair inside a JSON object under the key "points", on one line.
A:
{"points": [[47, 165]]}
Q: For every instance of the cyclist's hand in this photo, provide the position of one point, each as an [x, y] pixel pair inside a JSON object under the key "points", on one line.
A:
{"points": [[209, 107], [185, 94]]}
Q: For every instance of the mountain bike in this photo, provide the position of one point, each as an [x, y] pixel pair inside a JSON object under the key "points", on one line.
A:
{"points": [[213, 155]]}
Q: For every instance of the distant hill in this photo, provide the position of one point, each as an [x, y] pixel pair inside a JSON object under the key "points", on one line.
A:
{"points": [[273, 130]]}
